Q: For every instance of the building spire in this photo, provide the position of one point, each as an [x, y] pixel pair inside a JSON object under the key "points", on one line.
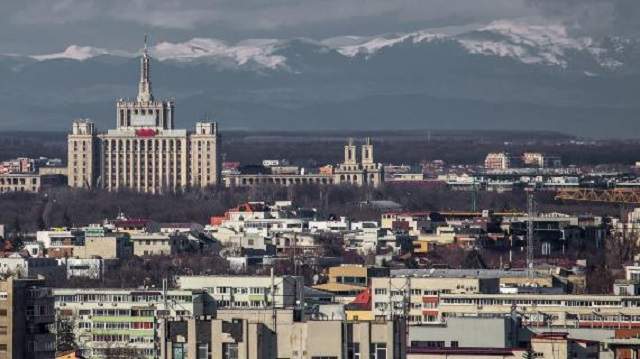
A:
{"points": [[144, 88]]}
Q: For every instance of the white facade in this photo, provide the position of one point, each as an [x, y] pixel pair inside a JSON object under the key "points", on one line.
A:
{"points": [[248, 291], [92, 268], [30, 266]]}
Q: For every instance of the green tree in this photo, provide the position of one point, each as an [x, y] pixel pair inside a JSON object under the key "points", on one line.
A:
{"points": [[65, 336]]}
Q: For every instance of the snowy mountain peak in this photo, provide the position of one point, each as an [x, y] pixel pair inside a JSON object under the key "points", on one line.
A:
{"points": [[534, 44], [74, 52], [369, 46], [259, 51]]}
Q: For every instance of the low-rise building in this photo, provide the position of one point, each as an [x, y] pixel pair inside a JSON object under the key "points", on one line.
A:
{"points": [[92, 268], [25, 266], [112, 245], [467, 332], [19, 182], [158, 244]]}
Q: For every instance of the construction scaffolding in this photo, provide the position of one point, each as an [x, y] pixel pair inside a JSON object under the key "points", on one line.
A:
{"points": [[616, 195]]}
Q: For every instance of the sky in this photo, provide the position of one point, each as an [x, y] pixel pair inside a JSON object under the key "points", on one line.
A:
{"points": [[44, 26]]}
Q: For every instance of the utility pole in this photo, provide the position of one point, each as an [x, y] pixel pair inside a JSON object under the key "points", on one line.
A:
{"points": [[530, 239], [474, 197], [273, 303], [295, 248]]}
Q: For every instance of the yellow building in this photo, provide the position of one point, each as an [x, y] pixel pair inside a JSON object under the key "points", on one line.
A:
{"points": [[350, 279]]}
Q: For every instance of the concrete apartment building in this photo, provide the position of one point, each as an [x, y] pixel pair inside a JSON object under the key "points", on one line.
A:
{"points": [[250, 292], [25, 266], [417, 297], [107, 321], [145, 152], [26, 311], [251, 334], [497, 161], [546, 310], [540, 160], [548, 345]]}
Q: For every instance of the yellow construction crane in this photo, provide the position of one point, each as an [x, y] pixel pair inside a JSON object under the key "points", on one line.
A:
{"points": [[615, 195]]}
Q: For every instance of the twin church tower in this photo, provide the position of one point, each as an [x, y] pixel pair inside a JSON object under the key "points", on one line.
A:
{"points": [[144, 152]]}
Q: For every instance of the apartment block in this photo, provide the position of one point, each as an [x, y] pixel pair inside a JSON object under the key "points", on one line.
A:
{"points": [[249, 291], [550, 310], [251, 336], [497, 161], [26, 312], [417, 298], [110, 321]]}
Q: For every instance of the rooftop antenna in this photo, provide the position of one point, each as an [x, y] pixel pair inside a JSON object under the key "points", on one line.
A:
{"points": [[146, 41]]}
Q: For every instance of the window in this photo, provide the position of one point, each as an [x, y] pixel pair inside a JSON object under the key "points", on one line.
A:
{"points": [[179, 351], [353, 351], [454, 343], [229, 351], [203, 351], [378, 351], [380, 291]]}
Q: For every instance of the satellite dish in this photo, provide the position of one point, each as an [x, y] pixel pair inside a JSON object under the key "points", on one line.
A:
{"points": [[316, 278]]}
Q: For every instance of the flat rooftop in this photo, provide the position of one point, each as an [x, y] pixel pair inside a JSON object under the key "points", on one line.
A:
{"points": [[464, 273]]}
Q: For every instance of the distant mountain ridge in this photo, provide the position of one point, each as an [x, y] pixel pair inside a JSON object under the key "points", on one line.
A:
{"points": [[530, 44], [484, 78]]}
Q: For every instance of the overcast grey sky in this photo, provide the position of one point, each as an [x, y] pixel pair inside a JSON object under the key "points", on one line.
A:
{"points": [[41, 26]]}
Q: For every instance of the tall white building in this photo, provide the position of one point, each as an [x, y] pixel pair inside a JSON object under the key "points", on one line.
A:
{"points": [[144, 152]]}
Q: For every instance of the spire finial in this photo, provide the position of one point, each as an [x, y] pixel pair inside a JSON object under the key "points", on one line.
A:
{"points": [[144, 88]]}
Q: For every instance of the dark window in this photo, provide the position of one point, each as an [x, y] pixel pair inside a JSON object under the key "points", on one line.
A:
{"points": [[229, 351]]}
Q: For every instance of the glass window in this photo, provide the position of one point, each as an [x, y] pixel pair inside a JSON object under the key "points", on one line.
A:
{"points": [[203, 351], [378, 351], [353, 351], [179, 351], [229, 351]]}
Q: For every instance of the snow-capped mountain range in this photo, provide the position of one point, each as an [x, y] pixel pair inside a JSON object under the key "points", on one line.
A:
{"points": [[549, 45], [502, 75]]}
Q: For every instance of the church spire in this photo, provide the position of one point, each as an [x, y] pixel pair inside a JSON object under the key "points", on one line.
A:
{"points": [[144, 88]]}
